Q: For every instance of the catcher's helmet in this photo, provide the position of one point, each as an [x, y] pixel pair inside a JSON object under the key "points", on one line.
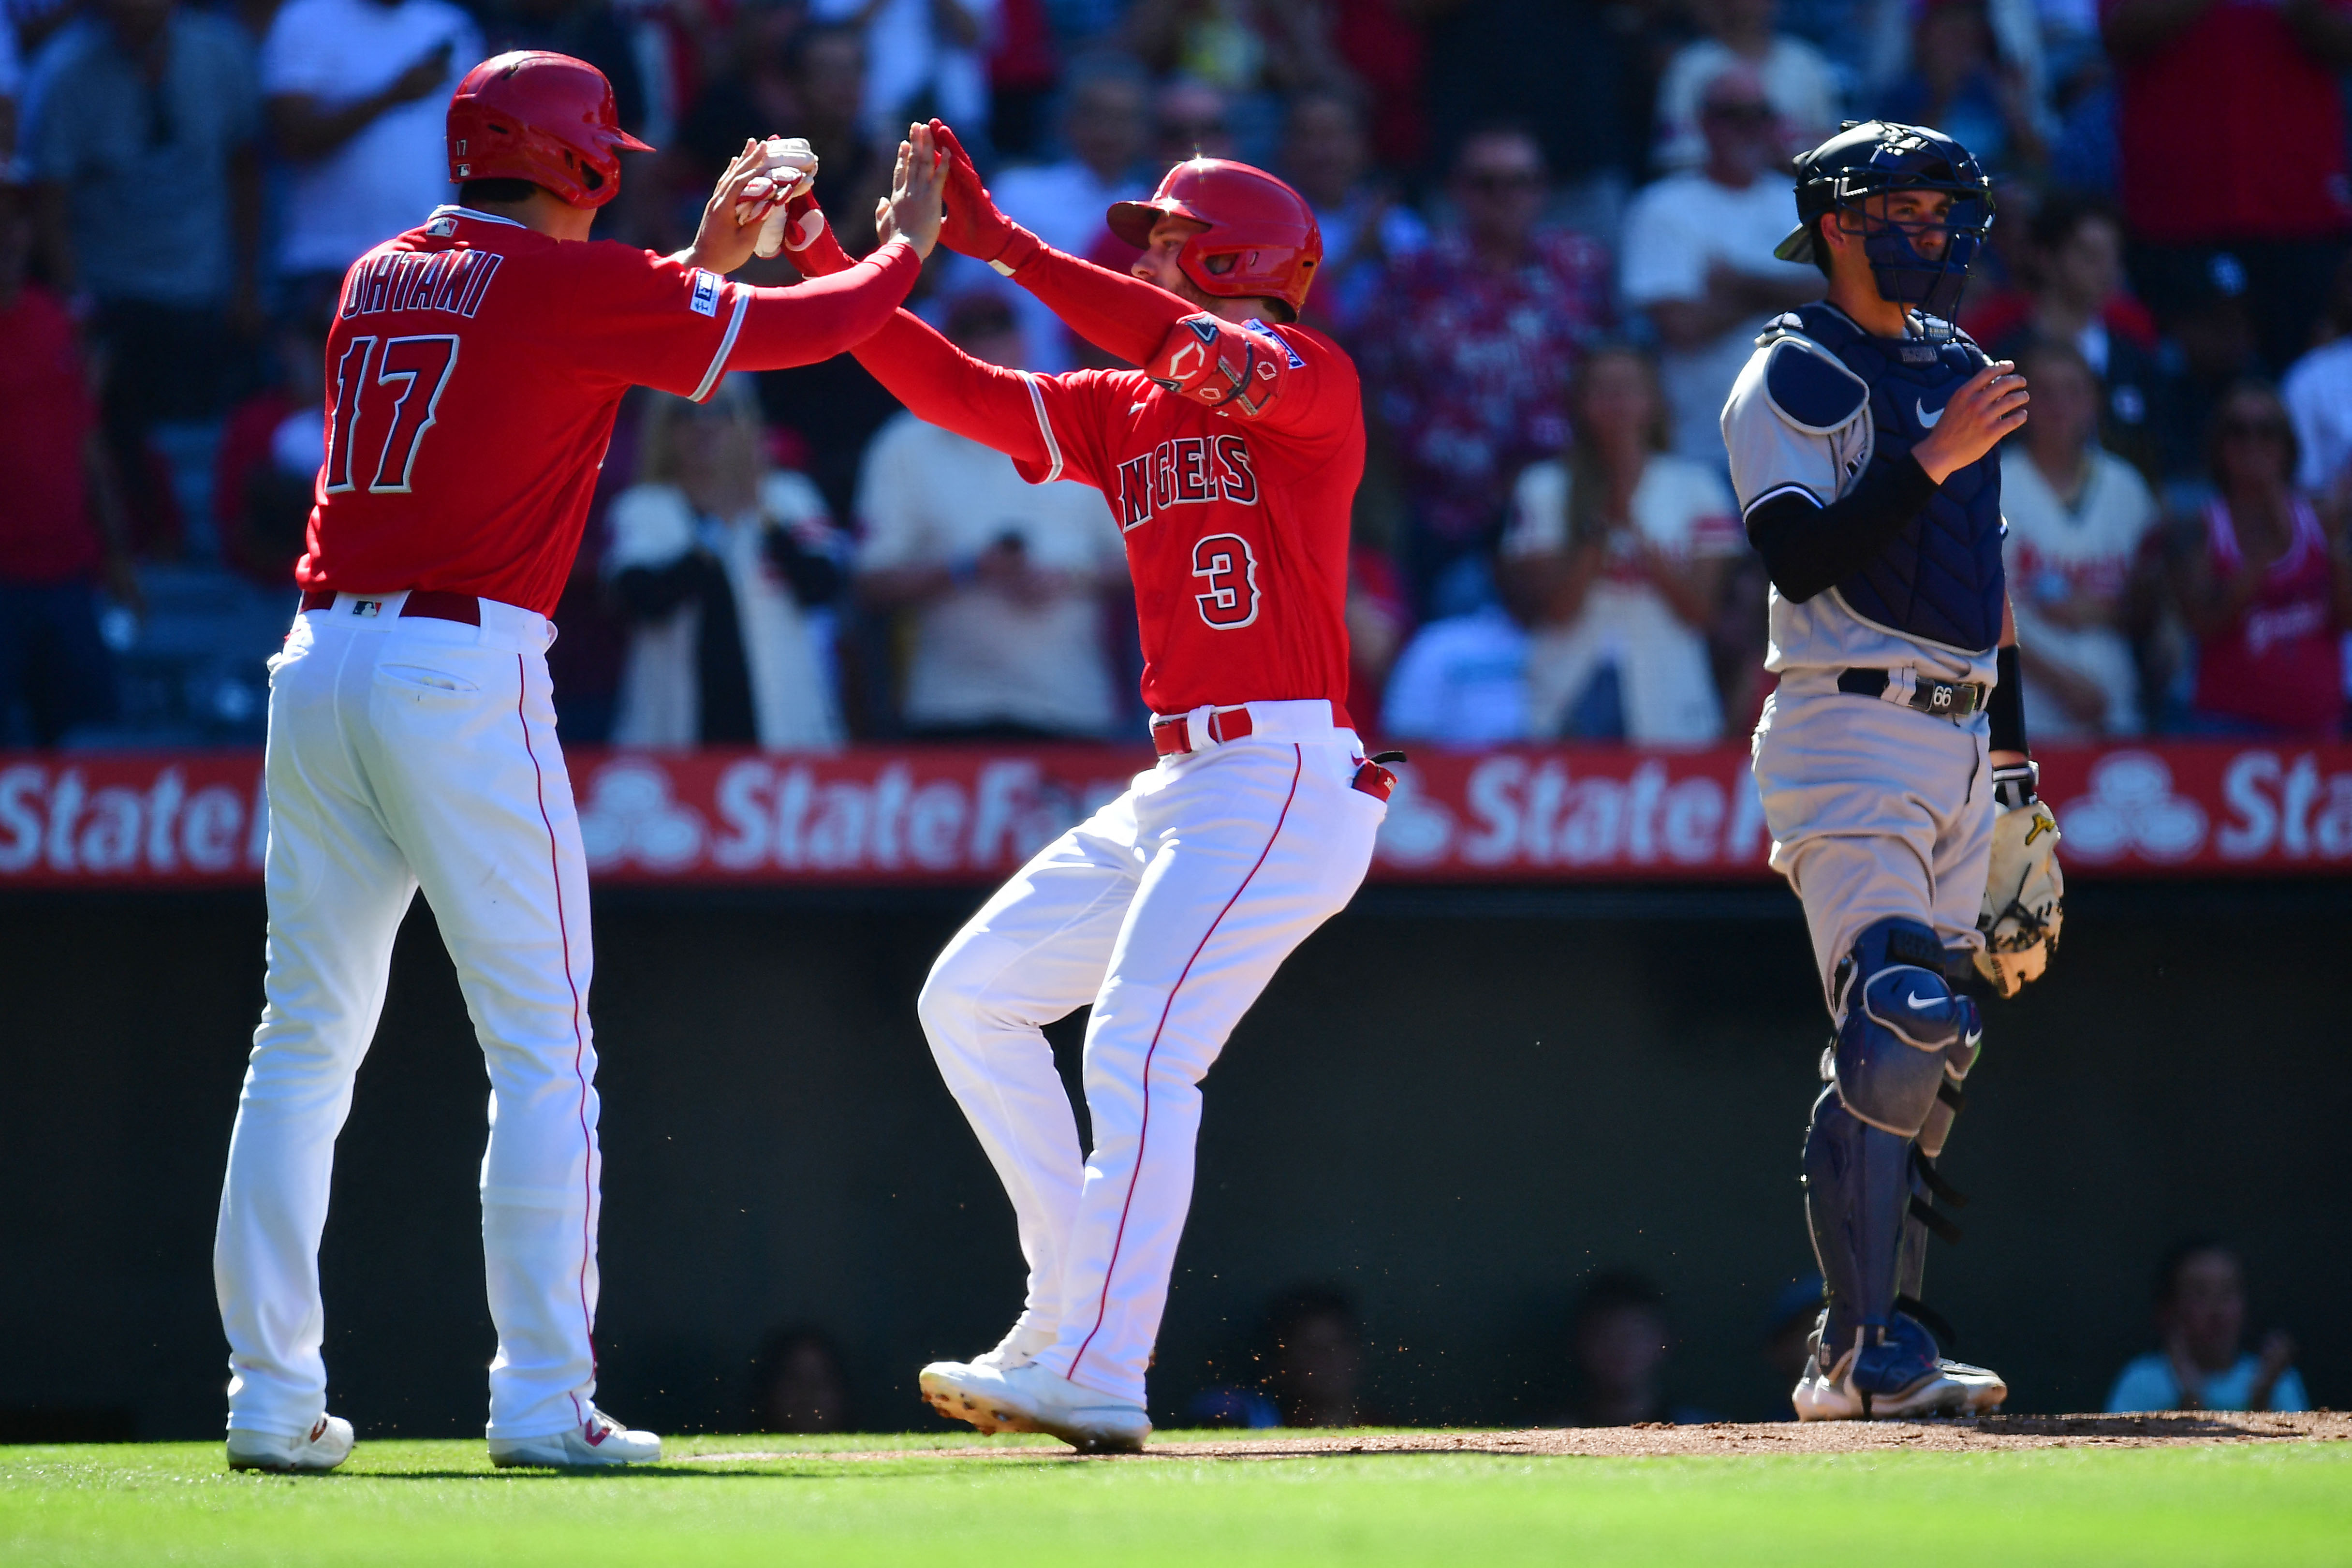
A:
{"points": [[1875, 158], [1260, 239], [545, 118]]}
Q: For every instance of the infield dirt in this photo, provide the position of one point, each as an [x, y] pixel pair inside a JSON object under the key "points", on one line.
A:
{"points": [[1656, 1439]]}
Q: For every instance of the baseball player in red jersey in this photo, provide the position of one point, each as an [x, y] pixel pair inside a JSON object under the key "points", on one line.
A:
{"points": [[1229, 462], [472, 379]]}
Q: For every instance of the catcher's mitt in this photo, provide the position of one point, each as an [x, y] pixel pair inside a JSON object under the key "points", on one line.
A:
{"points": [[2025, 896]]}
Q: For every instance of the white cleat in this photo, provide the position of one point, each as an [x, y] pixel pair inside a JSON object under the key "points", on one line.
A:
{"points": [[328, 1445], [1942, 1388], [1034, 1398], [599, 1441], [1021, 1345]]}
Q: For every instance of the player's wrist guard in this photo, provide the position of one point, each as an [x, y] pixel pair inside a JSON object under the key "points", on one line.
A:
{"points": [[2015, 784], [1215, 362], [1020, 247], [809, 239]]}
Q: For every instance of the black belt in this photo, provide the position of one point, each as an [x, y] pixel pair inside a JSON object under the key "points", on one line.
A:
{"points": [[1944, 699]]}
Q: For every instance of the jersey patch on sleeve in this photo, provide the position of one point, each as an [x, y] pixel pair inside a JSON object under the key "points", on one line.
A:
{"points": [[1263, 331], [1811, 391], [706, 293]]}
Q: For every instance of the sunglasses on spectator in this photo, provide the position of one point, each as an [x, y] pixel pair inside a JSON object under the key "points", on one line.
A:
{"points": [[1502, 181], [1757, 113]]}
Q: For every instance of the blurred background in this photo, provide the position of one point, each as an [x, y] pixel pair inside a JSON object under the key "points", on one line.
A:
{"points": [[1481, 1145]]}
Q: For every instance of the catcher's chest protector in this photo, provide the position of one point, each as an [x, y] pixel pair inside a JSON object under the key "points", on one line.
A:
{"points": [[1941, 578]]}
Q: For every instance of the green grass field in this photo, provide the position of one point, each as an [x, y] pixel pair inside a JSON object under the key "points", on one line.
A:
{"points": [[439, 1503]]}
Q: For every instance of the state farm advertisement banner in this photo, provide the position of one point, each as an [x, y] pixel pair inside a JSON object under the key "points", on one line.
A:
{"points": [[970, 815]]}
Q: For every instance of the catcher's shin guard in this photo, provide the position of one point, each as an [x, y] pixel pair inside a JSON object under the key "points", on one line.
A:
{"points": [[1857, 1195]]}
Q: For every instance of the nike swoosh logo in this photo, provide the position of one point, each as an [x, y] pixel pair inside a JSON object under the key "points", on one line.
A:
{"points": [[1920, 1004], [1928, 421]]}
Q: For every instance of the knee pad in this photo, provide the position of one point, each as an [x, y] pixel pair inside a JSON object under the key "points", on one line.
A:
{"points": [[1904, 1033]]}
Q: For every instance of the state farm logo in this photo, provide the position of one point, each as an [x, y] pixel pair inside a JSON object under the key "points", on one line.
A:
{"points": [[631, 816], [2131, 807]]}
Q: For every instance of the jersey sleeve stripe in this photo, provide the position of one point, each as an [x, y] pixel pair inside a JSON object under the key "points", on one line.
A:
{"points": [[726, 346], [1775, 493], [1044, 428]]}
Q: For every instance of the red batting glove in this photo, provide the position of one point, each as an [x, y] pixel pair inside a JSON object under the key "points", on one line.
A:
{"points": [[973, 226], [1212, 362], [809, 239]]}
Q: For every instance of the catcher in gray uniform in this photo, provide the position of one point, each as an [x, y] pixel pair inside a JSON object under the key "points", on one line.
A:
{"points": [[1892, 757]]}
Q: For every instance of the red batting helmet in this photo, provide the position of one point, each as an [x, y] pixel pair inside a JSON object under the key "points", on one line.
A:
{"points": [[545, 118], [1261, 238]]}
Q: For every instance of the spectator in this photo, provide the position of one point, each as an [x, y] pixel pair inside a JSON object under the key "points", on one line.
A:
{"points": [[2233, 144], [1699, 259], [2263, 588], [1796, 78], [357, 91], [1023, 69], [270, 452], [1105, 127], [1318, 1359], [717, 559], [1959, 84], [1190, 119], [1462, 681], [798, 1385], [2077, 517], [1377, 618], [133, 87], [54, 666], [1562, 72], [2318, 394], [811, 78], [1618, 1342], [1465, 355], [1325, 155], [2201, 1321], [927, 57], [2074, 260], [1006, 580], [1384, 45], [1616, 560]]}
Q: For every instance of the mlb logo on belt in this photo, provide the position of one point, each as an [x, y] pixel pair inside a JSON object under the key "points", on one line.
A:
{"points": [[367, 606]]}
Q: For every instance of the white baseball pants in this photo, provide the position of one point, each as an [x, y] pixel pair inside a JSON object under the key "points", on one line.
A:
{"points": [[1877, 811], [408, 751], [1169, 910]]}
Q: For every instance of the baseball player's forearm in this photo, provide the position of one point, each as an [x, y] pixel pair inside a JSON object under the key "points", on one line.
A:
{"points": [[822, 317], [942, 385], [1118, 314], [1809, 547]]}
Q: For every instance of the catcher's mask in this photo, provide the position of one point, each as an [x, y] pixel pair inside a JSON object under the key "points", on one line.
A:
{"points": [[1877, 158]]}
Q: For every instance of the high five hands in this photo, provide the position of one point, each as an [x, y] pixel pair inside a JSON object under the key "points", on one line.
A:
{"points": [[913, 210]]}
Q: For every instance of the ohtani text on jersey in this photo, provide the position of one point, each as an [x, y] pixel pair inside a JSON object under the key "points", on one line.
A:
{"points": [[450, 280], [1187, 470]]}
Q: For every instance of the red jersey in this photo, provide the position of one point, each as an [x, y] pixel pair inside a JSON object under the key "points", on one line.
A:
{"points": [[46, 417], [1237, 529], [2281, 664], [472, 378], [2232, 129]]}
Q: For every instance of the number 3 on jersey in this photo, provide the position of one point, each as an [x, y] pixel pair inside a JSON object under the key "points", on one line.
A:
{"points": [[1225, 565], [420, 367]]}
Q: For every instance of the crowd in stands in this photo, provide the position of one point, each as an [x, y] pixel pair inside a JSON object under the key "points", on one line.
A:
{"points": [[1548, 228]]}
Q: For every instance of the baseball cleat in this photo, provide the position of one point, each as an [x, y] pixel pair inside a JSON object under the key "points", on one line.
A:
{"points": [[327, 1444], [599, 1441], [1901, 1377], [1023, 1345], [1034, 1398]]}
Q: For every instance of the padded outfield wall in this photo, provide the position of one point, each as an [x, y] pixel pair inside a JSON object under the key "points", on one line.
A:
{"points": [[1455, 1103]]}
